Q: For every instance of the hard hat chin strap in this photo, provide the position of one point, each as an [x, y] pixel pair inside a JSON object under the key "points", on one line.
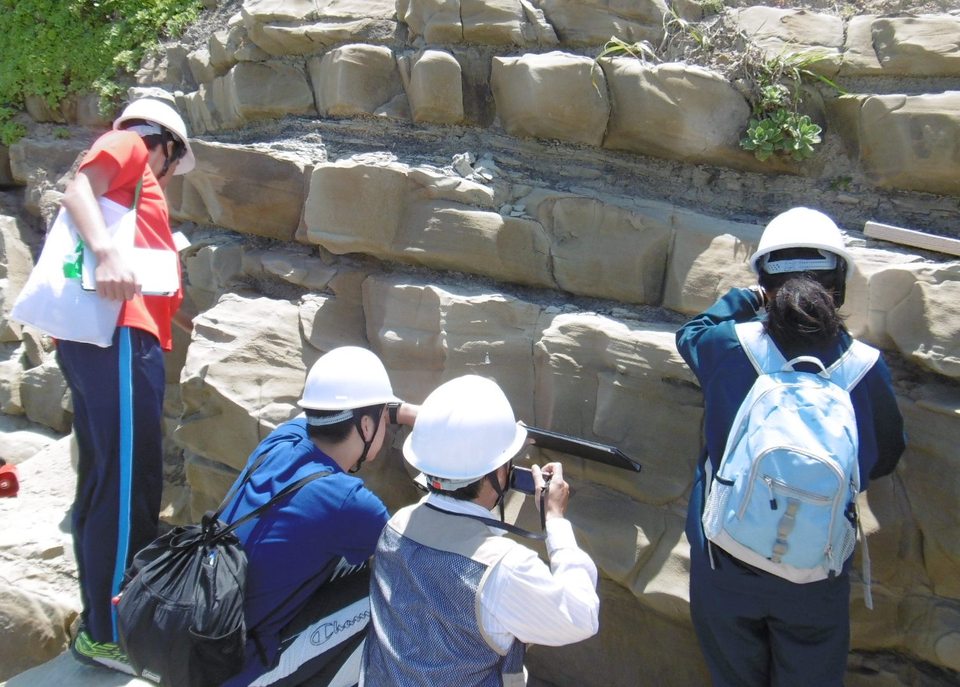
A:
{"points": [[494, 480], [358, 423]]}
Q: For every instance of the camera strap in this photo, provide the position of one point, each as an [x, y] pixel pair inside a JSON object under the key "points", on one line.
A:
{"points": [[490, 522]]}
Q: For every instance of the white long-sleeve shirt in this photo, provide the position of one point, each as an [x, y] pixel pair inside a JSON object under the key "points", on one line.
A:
{"points": [[525, 599]]}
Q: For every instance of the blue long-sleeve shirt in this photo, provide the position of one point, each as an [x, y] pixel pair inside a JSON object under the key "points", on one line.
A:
{"points": [[290, 545], [710, 347]]}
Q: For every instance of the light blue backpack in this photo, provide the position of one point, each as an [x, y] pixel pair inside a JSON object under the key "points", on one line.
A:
{"points": [[784, 497]]}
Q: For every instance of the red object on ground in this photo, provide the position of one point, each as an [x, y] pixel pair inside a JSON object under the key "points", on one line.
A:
{"points": [[9, 483]]}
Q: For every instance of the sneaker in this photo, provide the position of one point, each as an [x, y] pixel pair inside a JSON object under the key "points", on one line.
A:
{"points": [[103, 653]]}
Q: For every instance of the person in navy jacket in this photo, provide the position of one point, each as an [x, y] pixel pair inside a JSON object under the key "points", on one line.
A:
{"points": [[756, 628]]}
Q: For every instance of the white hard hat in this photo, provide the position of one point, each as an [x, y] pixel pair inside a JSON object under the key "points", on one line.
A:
{"points": [[465, 429], [159, 112], [347, 378], [801, 228]]}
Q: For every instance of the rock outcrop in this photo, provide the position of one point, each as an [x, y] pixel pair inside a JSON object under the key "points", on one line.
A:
{"points": [[462, 188]]}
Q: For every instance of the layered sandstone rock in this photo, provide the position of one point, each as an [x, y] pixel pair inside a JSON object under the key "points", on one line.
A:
{"points": [[463, 189]]}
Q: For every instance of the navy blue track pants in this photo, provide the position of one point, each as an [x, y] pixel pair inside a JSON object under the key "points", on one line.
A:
{"points": [[117, 421], [758, 630]]}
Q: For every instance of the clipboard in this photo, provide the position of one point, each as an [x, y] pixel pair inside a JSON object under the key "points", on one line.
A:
{"points": [[157, 270], [583, 448]]}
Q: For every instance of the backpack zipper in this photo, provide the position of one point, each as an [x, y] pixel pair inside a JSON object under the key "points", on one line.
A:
{"points": [[755, 467], [782, 486]]}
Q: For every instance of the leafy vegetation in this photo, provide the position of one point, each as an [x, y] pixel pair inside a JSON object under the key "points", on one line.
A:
{"points": [[53, 48], [777, 127], [774, 86]]}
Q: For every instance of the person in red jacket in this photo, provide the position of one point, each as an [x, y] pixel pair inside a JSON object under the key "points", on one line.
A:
{"points": [[117, 391]]}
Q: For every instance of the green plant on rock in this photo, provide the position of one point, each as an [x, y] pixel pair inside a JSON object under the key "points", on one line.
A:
{"points": [[774, 86], [10, 131], [776, 125], [781, 132], [53, 48]]}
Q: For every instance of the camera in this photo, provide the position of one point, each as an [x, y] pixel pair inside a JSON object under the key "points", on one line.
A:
{"points": [[521, 479]]}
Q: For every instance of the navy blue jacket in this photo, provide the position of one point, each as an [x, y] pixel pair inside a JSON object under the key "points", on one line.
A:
{"points": [[710, 347]]}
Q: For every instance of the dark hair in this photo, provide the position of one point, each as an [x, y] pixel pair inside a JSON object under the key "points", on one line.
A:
{"points": [[339, 430], [153, 140], [802, 310], [467, 493]]}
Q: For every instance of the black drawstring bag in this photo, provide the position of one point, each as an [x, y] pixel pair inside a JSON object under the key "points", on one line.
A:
{"points": [[180, 613]]}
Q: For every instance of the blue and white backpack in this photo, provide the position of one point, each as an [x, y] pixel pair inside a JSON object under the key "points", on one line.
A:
{"points": [[784, 497]]}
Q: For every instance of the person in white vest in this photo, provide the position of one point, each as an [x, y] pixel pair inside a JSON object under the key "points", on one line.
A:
{"points": [[450, 596]]}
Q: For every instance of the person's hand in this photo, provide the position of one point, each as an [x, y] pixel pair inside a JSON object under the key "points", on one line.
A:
{"points": [[759, 294], [115, 280], [407, 413], [550, 477]]}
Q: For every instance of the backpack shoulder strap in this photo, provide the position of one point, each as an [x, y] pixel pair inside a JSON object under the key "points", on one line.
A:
{"points": [[760, 348], [260, 510], [855, 362]]}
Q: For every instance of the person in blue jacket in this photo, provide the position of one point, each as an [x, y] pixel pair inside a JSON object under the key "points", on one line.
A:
{"points": [[756, 628], [325, 530]]}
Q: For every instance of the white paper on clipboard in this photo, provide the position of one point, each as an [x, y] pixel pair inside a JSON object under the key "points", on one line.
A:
{"points": [[157, 270]]}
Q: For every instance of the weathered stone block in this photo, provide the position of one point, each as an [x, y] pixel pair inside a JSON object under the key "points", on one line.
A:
{"points": [[44, 394], [262, 90], [211, 267], [709, 257], [786, 33], [605, 251], [435, 89], [495, 22], [593, 22], [243, 371], [429, 333], [929, 468], [859, 55], [354, 80], [200, 111], [392, 212], [222, 46], [926, 324], [880, 280], [674, 111], [40, 110], [553, 95], [266, 200], [437, 21], [16, 262], [11, 373], [200, 66], [912, 142], [918, 46], [334, 319], [303, 28], [50, 159], [611, 381], [355, 206], [448, 236]]}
